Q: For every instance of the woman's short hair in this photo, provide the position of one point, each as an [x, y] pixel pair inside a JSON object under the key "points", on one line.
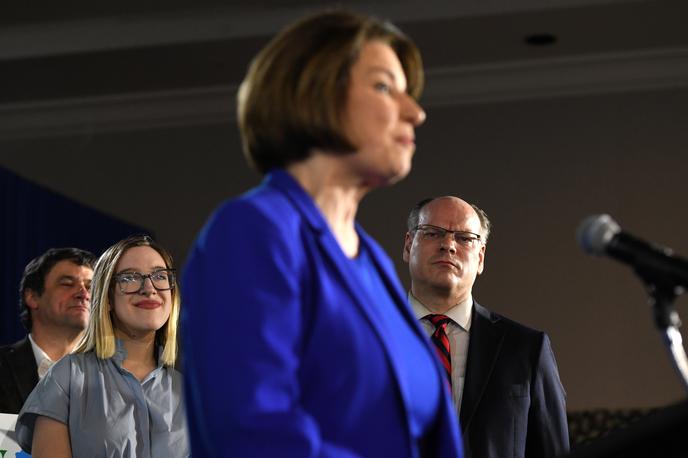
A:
{"points": [[100, 334], [293, 96]]}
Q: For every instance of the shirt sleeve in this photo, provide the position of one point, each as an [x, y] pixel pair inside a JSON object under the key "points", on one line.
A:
{"points": [[50, 398]]}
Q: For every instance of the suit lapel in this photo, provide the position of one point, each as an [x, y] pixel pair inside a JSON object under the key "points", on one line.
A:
{"points": [[485, 342]]}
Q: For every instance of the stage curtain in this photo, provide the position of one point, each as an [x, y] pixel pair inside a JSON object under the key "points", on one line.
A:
{"points": [[33, 219]]}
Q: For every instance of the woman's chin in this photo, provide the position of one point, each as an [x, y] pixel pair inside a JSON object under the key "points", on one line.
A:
{"points": [[398, 173]]}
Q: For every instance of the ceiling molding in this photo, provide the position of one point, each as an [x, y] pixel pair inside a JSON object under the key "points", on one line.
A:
{"points": [[242, 19], [477, 84], [123, 112], [557, 77]]}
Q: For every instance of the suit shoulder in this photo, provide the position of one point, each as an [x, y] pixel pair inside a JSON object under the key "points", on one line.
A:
{"points": [[4, 349], [515, 328], [521, 341], [524, 329], [16, 347]]}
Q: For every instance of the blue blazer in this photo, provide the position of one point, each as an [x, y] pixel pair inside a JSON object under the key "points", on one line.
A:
{"points": [[513, 402], [282, 354]]}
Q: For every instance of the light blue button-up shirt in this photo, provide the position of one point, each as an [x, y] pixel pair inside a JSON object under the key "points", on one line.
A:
{"points": [[108, 411]]}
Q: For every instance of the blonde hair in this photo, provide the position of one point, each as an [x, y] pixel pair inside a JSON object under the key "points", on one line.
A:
{"points": [[100, 334]]}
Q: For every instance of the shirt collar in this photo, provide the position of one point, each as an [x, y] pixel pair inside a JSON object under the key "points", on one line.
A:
{"points": [[459, 314], [121, 353], [43, 361]]}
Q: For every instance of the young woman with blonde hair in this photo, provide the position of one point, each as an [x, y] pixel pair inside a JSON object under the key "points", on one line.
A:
{"points": [[118, 394]]}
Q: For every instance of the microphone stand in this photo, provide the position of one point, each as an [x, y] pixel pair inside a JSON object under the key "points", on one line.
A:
{"points": [[662, 297]]}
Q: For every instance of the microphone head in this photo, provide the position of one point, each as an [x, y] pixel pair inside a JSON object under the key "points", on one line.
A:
{"points": [[595, 233]]}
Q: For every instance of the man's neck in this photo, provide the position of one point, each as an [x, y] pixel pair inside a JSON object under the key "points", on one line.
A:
{"points": [[438, 301], [54, 344]]}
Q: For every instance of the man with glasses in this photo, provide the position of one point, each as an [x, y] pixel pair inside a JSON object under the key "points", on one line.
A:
{"points": [[55, 305], [503, 377]]}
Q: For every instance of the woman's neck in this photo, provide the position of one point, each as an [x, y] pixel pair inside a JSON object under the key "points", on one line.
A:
{"points": [[140, 359], [335, 194]]}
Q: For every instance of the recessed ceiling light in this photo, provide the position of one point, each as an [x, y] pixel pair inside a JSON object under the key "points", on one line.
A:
{"points": [[540, 39]]}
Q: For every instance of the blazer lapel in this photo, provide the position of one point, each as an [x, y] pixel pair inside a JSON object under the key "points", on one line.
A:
{"points": [[365, 303], [331, 249], [392, 283], [485, 342]]}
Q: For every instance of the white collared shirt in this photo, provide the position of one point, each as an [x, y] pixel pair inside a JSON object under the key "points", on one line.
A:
{"points": [[43, 361], [458, 331]]}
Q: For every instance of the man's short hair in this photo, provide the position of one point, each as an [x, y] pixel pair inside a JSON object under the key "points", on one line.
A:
{"points": [[414, 217], [38, 268]]}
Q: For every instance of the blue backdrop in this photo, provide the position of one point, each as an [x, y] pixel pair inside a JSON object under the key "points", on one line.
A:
{"points": [[33, 219]]}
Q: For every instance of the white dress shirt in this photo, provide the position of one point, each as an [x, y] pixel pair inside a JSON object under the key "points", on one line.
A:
{"points": [[458, 330], [43, 361]]}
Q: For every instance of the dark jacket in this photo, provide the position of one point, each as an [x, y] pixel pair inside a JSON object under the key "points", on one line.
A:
{"points": [[18, 375], [513, 402]]}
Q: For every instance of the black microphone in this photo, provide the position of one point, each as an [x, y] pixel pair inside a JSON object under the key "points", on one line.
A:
{"points": [[601, 235]]}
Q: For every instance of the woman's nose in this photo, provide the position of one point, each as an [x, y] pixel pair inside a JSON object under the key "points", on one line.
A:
{"points": [[413, 112]]}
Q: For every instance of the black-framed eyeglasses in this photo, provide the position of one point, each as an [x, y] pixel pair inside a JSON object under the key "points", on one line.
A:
{"points": [[429, 233], [133, 282]]}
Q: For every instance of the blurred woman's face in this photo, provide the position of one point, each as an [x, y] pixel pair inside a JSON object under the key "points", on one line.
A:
{"points": [[380, 117], [142, 309]]}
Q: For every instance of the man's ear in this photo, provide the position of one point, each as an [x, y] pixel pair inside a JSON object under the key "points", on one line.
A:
{"points": [[31, 299], [408, 240], [481, 265]]}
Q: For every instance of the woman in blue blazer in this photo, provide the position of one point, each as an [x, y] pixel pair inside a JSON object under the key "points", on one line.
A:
{"points": [[298, 340]]}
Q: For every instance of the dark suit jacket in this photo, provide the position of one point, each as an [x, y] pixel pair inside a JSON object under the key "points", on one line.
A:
{"points": [[18, 375], [513, 403]]}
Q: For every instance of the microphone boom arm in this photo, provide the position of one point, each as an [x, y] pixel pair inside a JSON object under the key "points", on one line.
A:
{"points": [[664, 274], [661, 299]]}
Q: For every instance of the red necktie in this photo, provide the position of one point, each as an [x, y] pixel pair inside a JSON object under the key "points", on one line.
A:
{"points": [[441, 341]]}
